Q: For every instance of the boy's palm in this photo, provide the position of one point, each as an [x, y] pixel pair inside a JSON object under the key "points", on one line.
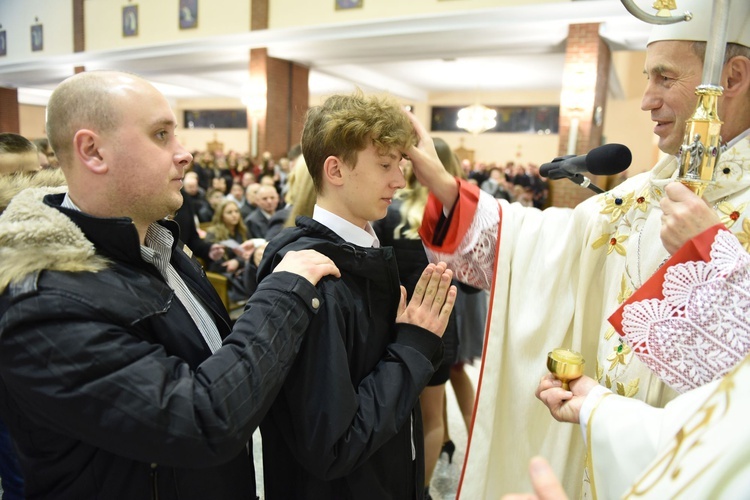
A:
{"points": [[432, 301]]}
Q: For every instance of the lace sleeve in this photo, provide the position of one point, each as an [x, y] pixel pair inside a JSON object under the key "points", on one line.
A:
{"points": [[701, 329], [473, 260]]}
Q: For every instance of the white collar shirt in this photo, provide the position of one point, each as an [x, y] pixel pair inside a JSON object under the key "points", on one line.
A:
{"points": [[349, 232]]}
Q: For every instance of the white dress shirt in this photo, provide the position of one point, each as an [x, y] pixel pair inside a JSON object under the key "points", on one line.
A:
{"points": [[349, 232]]}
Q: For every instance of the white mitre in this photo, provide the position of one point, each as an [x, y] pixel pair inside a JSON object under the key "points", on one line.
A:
{"points": [[697, 29]]}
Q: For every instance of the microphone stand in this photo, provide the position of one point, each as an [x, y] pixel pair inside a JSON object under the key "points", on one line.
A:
{"points": [[580, 179], [584, 181]]}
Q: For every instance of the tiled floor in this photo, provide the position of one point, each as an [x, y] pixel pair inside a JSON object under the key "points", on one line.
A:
{"points": [[445, 478]]}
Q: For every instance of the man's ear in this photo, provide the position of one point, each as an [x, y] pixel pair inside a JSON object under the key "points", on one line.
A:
{"points": [[737, 71], [333, 171], [86, 148]]}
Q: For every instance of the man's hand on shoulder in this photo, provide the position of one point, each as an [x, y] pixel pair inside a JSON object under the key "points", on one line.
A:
{"points": [[309, 264], [432, 302]]}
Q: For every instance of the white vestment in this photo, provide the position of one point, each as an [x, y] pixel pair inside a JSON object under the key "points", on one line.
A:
{"points": [[693, 327], [557, 277], [697, 447]]}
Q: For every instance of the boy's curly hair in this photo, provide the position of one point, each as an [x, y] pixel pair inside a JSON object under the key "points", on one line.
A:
{"points": [[346, 124]]}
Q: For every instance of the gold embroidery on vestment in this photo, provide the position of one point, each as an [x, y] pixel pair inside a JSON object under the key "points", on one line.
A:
{"points": [[729, 214], [617, 206], [744, 236], [629, 390]]}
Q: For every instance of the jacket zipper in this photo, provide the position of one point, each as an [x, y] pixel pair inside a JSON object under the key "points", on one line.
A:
{"points": [[154, 475], [413, 446]]}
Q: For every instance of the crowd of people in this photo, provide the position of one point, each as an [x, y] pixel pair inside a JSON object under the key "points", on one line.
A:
{"points": [[235, 205], [122, 375], [511, 182]]}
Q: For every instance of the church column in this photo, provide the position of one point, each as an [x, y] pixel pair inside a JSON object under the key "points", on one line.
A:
{"points": [[582, 103], [277, 96]]}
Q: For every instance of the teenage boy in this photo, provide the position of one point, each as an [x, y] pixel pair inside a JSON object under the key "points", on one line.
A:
{"points": [[346, 423]]}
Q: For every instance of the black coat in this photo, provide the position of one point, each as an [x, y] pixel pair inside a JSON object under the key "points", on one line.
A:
{"points": [[109, 389], [346, 423], [257, 223]]}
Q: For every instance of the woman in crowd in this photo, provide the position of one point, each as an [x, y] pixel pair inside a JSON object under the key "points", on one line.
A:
{"points": [[227, 229]]}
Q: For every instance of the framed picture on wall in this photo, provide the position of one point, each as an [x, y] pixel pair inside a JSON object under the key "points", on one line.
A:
{"points": [[3, 43], [130, 20], [188, 14], [37, 38], [349, 4]]}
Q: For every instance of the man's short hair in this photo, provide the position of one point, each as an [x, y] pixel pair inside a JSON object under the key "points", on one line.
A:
{"points": [[82, 101], [212, 191], [346, 124], [17, 154], [269, 188], [11, 143], [732, 50]]}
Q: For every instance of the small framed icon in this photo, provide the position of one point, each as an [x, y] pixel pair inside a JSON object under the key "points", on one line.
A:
{"points": [[130, 20], [188, 14], [349, 4], [3, 43], [37, 38]]}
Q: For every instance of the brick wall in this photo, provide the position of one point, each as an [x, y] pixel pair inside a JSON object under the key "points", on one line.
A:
{"points": [[287, 98], [9, 119], [287, 92], [585, 84], [287, 101]]}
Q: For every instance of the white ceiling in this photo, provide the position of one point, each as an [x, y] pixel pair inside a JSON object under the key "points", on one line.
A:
{"points": [[502, 48]]}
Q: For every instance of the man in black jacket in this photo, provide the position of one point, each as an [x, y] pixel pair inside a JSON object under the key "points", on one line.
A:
{"points": [[346, 423], [119, 375]]}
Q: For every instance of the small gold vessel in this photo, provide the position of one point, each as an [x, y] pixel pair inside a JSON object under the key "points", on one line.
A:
{"points": [[565, 365]]}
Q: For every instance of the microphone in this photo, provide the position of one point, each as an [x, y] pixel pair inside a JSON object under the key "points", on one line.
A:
{"points": [[608, 159]]}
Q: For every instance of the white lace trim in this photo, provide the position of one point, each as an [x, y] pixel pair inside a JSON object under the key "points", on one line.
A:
{"points": [[702, 327], [474, 259]]}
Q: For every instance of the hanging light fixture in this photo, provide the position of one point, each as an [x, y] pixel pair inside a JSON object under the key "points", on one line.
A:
{"points": [[476, 118]]}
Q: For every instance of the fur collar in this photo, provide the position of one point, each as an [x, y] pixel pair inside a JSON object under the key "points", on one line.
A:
{"points": [[36, 237], [11, 185]]}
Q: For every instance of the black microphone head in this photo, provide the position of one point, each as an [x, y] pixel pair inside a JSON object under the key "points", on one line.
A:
{"points": [[608, 159]]}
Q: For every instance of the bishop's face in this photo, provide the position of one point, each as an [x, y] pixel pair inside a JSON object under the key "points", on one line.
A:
{"points": [[673, 71]]}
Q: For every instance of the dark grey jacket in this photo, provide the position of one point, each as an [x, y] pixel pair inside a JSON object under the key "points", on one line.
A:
{"points": [[106, 384]]}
